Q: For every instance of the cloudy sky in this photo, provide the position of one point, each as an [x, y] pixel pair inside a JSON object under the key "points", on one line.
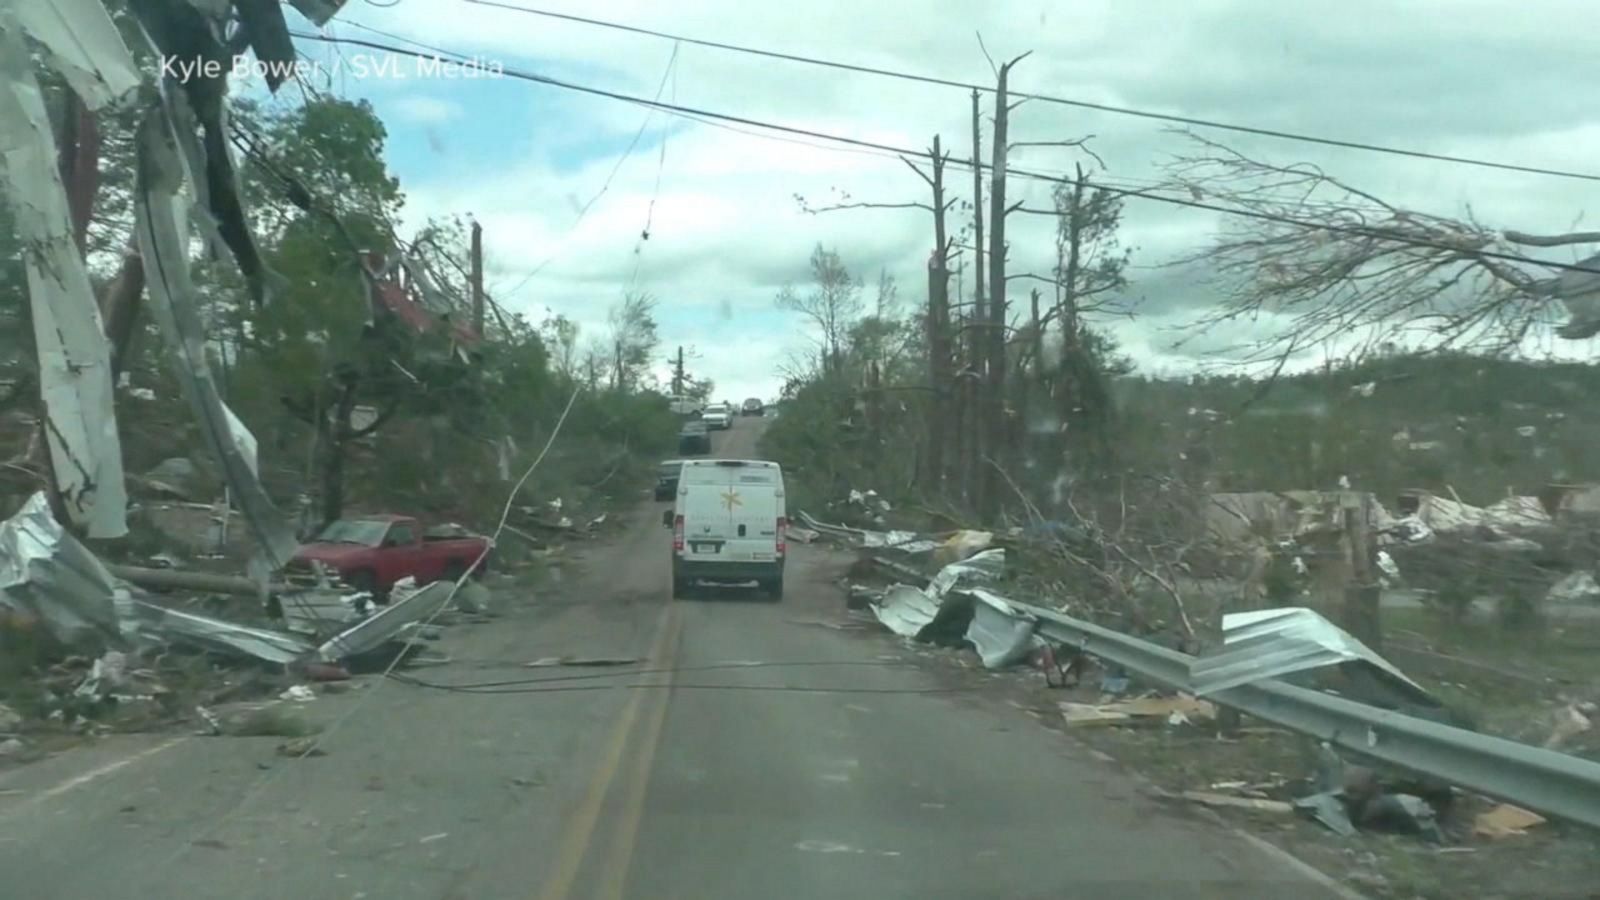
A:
{"points": [[1458, 77]]}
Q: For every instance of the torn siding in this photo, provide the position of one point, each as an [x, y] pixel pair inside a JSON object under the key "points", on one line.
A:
{"points": [[81, 43], [74, 358], [48, 575], [160, 229], [195, 31]]}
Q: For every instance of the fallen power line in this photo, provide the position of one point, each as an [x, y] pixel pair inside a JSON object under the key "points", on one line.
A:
{"points": [[770, 688], [1044, 98], [1352, 230]]}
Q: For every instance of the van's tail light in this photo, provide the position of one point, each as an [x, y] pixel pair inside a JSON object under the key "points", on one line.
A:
{"points": [[783, 534], [677, 534]]}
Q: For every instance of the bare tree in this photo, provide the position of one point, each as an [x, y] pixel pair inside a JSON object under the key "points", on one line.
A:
{"points": [[633, 338], [937, 318], [1088, 277], [996, 429], [560, 335], [833, 305], [595, 363], [1337, 261]]}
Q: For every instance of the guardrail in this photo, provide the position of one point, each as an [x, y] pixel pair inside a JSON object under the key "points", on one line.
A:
{"points": [[1552, 783]]}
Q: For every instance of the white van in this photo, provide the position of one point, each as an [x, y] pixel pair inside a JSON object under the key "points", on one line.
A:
{"points": [[728, 525]]}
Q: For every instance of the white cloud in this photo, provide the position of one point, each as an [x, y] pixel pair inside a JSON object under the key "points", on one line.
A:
{"points": [[725, 230]]}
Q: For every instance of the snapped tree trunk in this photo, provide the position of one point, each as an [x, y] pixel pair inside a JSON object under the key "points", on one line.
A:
{"points": [[971, 431], [1362, 597], [938, 328], [995, 345], [120, 309]]}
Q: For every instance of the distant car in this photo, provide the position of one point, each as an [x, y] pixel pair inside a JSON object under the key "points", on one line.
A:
{"points": [[694, 439], [754, 407], [717, 418], [667, 478]]}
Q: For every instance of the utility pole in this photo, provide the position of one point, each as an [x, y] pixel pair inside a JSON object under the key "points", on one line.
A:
{"points": [[677, 374], [477, 279]]}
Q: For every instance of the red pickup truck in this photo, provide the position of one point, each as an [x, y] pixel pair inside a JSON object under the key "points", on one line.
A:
{"points": [[371, 553]]}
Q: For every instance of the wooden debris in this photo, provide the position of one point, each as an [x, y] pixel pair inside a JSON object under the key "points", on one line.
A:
{"points": [[1505, 820], [1227, 800]]}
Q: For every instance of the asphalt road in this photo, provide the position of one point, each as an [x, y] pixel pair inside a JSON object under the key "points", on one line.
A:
{"points": [[757, 754]]}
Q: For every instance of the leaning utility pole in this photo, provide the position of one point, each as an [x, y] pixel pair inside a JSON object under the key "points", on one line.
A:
{"points": [[477, 279]]}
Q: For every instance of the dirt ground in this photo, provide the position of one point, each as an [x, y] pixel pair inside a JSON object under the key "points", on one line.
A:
{"points": [[1514, 685]]}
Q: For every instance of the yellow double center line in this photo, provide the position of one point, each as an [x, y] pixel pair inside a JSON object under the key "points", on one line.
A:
{"points": [[579, 833]]}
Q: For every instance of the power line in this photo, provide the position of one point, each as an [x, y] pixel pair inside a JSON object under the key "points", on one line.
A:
{"points": [[605, 186], [1046, 98], [765, 136], [1130, 193]]}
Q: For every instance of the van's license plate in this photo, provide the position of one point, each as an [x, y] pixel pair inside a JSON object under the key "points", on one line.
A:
{"points": [[700, 547]]}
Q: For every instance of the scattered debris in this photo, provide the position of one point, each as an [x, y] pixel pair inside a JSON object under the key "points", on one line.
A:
{"points": [[298, 694], [326, 672], [1576, 587], [11, 748], [1177, 709], [1571, 721], [473, 598], [213, 725], [802, 535], [862, 597], [301, 748], [10, 719]]}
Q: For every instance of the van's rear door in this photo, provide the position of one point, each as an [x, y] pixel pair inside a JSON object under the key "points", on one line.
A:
{"points": [[753, 517], [707, 523]]}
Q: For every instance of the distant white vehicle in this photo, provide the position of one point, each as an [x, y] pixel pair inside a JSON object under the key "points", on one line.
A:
{"points": [[717, 417]]}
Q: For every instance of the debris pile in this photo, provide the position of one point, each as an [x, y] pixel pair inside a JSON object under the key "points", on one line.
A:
{"points": [[54, 587], [1187, 695]]}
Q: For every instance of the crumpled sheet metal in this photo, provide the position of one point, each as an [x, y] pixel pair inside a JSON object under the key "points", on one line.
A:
{"points": [[378, 629], [47, 575], [977, 569], [74, 358], [1001, 634], [82, 43], [1271, 643], [159, 227], [221, 636], [903, 541], [906, 610], [317, 611]]}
